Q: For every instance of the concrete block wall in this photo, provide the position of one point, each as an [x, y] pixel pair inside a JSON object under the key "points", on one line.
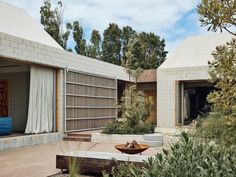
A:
{"points": [[29, 140], [28, 51], [166, 91]]}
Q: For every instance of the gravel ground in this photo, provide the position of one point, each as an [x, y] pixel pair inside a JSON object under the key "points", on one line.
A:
{"points": [[66, 175]]}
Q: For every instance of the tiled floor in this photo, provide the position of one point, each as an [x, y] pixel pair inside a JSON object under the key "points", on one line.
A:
{"points": [[40, 160]]}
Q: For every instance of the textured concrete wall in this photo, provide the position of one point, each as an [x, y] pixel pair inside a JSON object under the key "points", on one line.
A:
{"points": [[24, 50], [19, 96], [29, 140], [166, 91]]}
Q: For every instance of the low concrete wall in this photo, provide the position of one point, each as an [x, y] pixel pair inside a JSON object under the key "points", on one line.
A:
{"points": [[114, 138], [29, 140], [153, 140]]}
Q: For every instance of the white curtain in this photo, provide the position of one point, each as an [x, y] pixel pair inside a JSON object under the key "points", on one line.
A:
{"points": [[186, 106], [40, 110]]}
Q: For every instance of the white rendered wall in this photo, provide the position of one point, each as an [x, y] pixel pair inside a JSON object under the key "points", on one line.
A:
{"points": [[166, 88]]}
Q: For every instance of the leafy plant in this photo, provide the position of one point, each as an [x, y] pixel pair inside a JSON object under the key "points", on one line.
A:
{"points": [[218, 14], [116, 127], [124, 170], [73, 167], [135, 107], [189, 158], [217, 127], [223, 75], [123, 127], [144, 127], [52, 20]]}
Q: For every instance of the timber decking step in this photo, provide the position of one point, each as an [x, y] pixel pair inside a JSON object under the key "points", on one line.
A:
{"points": [[78, 137], [79, 134]]}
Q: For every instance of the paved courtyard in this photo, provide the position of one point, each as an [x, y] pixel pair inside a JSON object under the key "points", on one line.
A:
{"points": [[40, 160]]}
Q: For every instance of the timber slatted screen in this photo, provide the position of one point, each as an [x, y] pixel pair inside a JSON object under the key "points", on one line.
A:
{"points": [[90, 101]]}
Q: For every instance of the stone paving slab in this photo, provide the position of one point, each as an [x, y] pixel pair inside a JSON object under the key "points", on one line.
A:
{"points": [[40, 160]]}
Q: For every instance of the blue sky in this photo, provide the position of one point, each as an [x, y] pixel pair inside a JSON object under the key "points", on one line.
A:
{"points": [[173, 20]]}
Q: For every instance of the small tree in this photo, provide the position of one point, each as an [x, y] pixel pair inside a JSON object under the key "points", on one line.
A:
{"points": [[223, 74], [134, 106], [221, 15], [220, 126]]}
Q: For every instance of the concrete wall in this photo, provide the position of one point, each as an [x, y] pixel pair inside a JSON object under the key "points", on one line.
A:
{"points": [[32, 52], [166, 91], [29, 140], [19, 96]]}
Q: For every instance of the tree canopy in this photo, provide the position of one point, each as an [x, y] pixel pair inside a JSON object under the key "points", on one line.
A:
{"points": [[78, 36], [221, 15], [218, 15], [223, 74], [111, 44], [52, 20], [147, 48], [94, 50]]}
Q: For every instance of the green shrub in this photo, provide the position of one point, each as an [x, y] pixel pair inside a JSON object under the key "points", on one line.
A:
{"points": [[135, 107], [116, 127], [186, 158], [190, 158], [123, 127], [217, 127], [124, 170], [144, 127], [73, 167]]}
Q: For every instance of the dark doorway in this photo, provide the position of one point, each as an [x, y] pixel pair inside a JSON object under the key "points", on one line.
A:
{"points": [[193, 101], [121, 85], [198, 101]]}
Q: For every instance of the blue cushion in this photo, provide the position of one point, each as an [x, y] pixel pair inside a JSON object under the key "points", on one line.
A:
{"points": [[5, 126]]}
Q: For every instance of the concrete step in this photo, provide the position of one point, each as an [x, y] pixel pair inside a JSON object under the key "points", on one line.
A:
{"points": [[153, 137], [152, 143]]}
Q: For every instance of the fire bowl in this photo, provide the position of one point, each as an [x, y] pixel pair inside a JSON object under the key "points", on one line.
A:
{"points": [[123, 149]]}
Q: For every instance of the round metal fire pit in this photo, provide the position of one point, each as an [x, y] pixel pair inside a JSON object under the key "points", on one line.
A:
{"points": [[123, 149]]}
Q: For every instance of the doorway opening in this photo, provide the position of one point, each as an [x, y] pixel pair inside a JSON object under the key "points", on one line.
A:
{"points": [[14, 93], [192, 100]]}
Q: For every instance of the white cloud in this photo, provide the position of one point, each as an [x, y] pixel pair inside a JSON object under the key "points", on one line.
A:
{"points": [[159, 16]]}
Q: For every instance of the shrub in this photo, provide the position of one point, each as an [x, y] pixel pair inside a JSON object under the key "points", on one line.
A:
{"points": [[217, 127], [73, 167], [134, 106], [189, 158], [144, 127], [116, 127], [124, 170]]}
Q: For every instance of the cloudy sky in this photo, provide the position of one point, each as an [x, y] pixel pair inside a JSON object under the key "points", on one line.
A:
{"points": [[173, 20]]}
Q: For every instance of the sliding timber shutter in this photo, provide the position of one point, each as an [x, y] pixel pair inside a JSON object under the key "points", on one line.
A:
{"points": [[90, 101]]}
